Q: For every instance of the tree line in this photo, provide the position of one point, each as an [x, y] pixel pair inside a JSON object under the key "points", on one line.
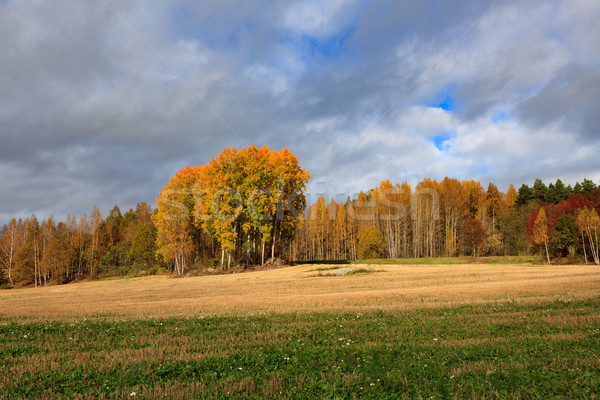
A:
{"points": [[454, 218], [37, 252], [248, 206]]}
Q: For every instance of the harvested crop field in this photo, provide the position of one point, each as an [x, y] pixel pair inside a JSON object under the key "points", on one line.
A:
{"points": [[304, 289], [384, 331]]}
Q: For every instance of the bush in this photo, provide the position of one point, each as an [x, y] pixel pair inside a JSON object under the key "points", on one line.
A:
{"points": [[161, 271]]}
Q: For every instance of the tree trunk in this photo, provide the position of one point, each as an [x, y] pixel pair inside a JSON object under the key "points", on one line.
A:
{"points": [[593, 247], [594, 250], [273, 248], [248, 250], [584, 253], [35, 263], [547, 255], [10, 257], [597, 259]]}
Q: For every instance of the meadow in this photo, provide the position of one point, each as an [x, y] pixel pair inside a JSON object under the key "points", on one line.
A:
{"points": [[394, 331]]}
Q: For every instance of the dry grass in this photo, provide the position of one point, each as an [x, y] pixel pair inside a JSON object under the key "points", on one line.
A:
{"points": [[296, 289]]}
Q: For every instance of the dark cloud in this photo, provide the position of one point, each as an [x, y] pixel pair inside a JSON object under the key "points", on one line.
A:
{"points": [[572, 98]]}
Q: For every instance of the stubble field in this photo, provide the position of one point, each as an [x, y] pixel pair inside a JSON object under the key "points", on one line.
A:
{"points": [[413, 331]]}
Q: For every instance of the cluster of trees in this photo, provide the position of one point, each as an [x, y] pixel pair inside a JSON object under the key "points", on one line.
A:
{"points": [[568, 225], [451, 218], [34, 252], [444, 218], [236, 205], [553, 193], [248, 205]]}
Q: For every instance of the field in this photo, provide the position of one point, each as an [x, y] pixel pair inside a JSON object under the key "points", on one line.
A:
{"points": [[414, 331]]}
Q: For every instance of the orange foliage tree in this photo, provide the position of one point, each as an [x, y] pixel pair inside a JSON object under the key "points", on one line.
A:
{"points": [[540, 231], [174, 219], [242, 200]]}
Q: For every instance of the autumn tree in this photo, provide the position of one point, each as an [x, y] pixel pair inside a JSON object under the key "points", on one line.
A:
{"points": [[510, 234], [58, 255], [175, 221], [494, 204], [540, 231], [404, 220], [27, 258], [391, 215], [370, 243], [340, 232], [252, 198], [95, 226], [494, 207], [473, 235], [10, 243], [81, 240], [453, 204], [588, 223], [318, 222], [426, 227], [475, 198], [510, 197], [353, 226], [241, 200]]}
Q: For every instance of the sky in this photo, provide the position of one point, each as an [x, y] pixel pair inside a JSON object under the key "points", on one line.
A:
{"points": [[101, 101]]}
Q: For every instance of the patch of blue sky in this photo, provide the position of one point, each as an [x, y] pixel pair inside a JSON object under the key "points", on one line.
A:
{"points": [[447, 104], [441, 141], [445, 99]]}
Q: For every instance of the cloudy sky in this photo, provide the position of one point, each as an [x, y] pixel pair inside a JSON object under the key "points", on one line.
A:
{"points": [[101, 101]]}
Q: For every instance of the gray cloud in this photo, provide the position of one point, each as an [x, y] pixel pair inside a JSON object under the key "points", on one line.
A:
{"points": [[89, 115], [571, 97]]}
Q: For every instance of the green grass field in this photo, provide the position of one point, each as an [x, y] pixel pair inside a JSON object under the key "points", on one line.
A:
{"points": [[498, 350]]}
